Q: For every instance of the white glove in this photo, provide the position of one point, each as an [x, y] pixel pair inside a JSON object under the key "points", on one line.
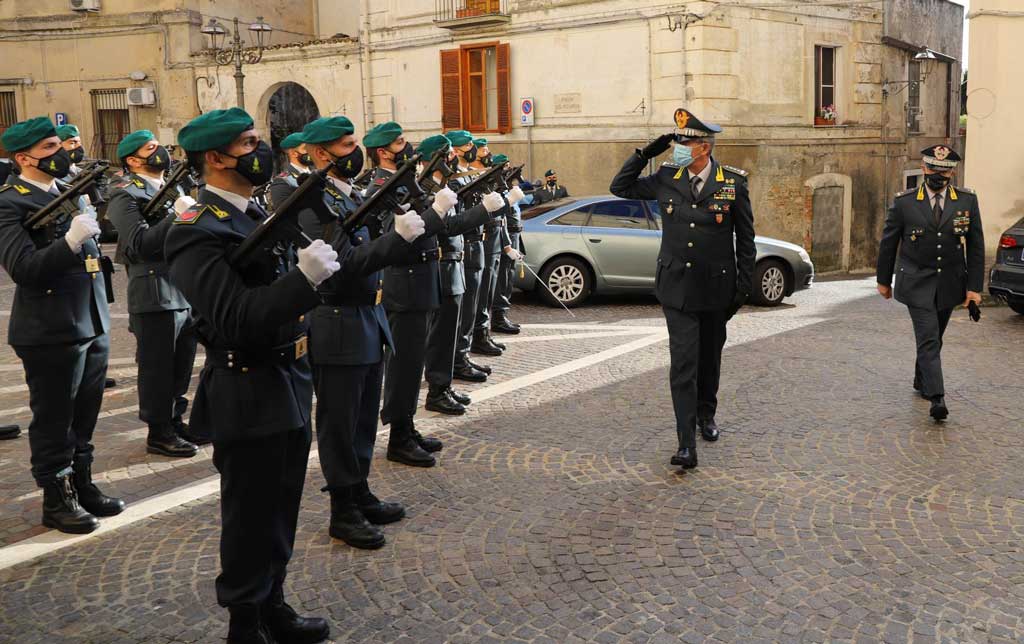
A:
{"points": [[410, 225], [515, 195], [493, 202], [183, 203], [83, 227], [513, 254], [444, 200], [318, 261]]}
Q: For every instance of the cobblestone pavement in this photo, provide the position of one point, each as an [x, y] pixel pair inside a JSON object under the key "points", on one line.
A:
{"points": [[832, 509]]}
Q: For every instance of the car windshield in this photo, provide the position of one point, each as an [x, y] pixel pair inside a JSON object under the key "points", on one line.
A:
{"points": [[537, 211]]}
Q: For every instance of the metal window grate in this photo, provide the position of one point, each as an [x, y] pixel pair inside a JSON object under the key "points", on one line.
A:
{"points": [[112, 120], [8, 114], [449, 10]]}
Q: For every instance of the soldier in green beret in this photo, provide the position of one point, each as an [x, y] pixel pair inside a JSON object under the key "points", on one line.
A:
{"points": [[298, 161], [58, 327], [71, 140], [412, 290], [159, 316], [348, 333], [255, 393], [444, 321], [502, 302]]}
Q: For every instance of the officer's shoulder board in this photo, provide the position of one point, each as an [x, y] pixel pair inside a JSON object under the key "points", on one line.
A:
{"points": [[735, 170], [18, 188], [968, 191], [193, 214]]}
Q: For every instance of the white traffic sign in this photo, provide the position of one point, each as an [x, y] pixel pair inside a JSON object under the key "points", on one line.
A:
{"points": [[526, 110]]}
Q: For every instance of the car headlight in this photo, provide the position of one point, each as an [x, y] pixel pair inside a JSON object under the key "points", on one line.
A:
{"points": [[804, 256]]}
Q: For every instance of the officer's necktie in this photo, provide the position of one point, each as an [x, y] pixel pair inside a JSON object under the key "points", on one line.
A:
{"points": [[937, 210], [693, 187]]}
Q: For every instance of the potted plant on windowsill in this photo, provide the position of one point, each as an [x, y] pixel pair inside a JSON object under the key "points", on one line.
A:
{"points": [[827, 116]]}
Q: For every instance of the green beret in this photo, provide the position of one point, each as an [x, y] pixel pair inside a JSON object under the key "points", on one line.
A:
{"points": [[481, 142], [432, 144], [459, 137], [293, 140], [66, 132], [499, 158], [326, 129], [24, 135], [383, 134], [130, 144], [214, 130]]}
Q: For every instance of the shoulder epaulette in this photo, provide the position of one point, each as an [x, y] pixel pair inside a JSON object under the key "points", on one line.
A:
{"points": [[969, 191], [193, 214], [904, 193], [20, 189], [138, 182], [6, 186], [729, 168], [669, 164]]}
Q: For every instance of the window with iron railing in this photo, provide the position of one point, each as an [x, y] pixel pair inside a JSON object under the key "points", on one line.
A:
{"points": [[454, 11], [8, 114], [112, 121]]}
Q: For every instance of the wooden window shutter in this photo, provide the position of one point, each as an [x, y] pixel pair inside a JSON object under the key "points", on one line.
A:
{"points": [[504, 89], [451, 103]]}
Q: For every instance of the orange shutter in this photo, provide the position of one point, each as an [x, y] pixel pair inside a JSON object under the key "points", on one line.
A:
{"points": [[451, 105], [504, 90]]}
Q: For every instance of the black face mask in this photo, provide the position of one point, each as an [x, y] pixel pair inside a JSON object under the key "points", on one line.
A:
{"points": [[487, 161], [350, 165], [454, 164], [56, 165], [552, 182], [77, 155], [404, 154], [469, 155], [160, 159], [257, 167], [936, 181], [306, 160]]}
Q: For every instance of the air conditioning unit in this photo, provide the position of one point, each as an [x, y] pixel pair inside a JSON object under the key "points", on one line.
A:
{"points": [[85, 5], [141, 96]]}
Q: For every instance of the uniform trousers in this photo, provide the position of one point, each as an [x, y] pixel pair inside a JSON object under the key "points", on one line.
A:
{"points": [[261, 483], [929, 327], [506, 277], [695, 341], [404, 367], [65, 390], [441, 339], [348, 398], [166, 353], [474, 266], [488, 281]]}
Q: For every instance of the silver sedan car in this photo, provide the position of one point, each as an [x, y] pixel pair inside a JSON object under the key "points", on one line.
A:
{"points": [[580, 246]]}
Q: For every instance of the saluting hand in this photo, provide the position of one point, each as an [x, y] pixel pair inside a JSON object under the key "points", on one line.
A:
{"points": [[972, 296], [657, 146], [885, 290]]}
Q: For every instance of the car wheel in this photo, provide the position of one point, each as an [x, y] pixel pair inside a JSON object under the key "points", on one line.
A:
{"points": [[1017, 306], [570, 281], [771, 282]]}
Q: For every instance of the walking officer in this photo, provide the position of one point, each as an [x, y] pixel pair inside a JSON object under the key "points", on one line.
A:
{"points": [[502, 303], [927, 233], [255, 392], [702, 277], [473, 266], [159, 316], [412, 291], [58, 327], [348, 332], [444, 322]]}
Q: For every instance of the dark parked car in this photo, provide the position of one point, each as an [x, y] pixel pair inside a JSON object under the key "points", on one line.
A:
{"points": [[1006, 282], [605, 244]]}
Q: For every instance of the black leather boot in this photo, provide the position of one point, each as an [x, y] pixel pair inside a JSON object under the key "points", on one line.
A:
{"points": [[288, 627], [481, 367], [439, 400], [939, 411], [245, 626], [376, 511], [493, 342], [483, 345], [109, 383], [402, 447], [468, 374], [89, 496], [164, 441], [459, 397], [62, 511], [708, 429], [686, 458], [501, 324], [349, 524], [182, 429], [428, 443]]}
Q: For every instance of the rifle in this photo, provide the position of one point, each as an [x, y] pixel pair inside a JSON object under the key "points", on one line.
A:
{"points": [[387, 198], [512, 175], [438, 163], [473, 191], [165, 198], [65, 205], [363, 180], [281, 225]]}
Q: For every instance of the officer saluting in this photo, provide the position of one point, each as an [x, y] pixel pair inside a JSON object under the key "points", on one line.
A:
{"points": [[58, 328], [930, 228], [255, 392], [702, 279], [158, 314]]}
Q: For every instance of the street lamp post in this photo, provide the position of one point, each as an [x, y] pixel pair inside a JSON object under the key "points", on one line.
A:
{"points": [[237, 53]]}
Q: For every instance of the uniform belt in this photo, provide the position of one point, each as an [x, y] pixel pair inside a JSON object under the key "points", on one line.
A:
{"points": [[472, 237], [428, 256], [456, 256], [282, 355], [349, 299], [494, 224], [515, 229]]}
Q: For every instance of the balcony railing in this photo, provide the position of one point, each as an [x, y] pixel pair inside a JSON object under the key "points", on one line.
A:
{"points": [[454, 14]]}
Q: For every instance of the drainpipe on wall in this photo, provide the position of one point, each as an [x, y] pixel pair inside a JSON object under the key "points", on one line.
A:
{"points": [[365, 77]]}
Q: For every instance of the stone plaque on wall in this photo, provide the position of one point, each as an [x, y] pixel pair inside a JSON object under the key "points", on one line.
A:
{"points": [[568, 103]]}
